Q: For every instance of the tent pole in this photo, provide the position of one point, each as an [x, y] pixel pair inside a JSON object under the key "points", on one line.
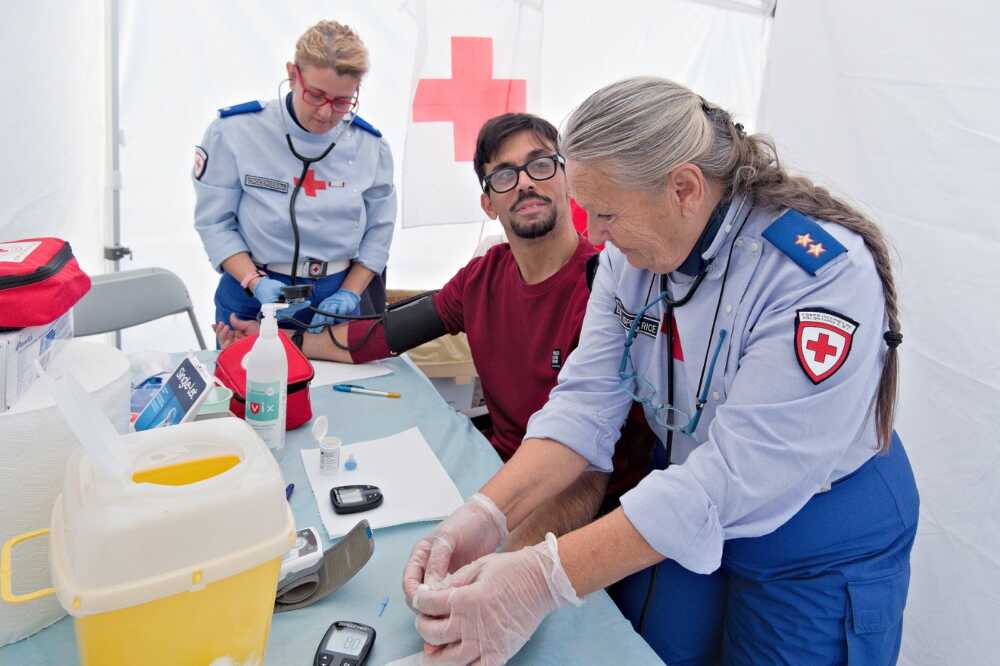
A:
{"points": [[113, 252]]}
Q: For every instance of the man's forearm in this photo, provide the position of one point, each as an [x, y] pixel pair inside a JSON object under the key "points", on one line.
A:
{"points": [[540, 469], [319, 346], [570, 509]]}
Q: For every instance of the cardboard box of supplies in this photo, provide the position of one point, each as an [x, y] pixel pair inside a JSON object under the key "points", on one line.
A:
{"points": [[20, 348]]}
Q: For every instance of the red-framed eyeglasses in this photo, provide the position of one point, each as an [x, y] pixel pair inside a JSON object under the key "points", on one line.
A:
{"points": [[318, 98]]}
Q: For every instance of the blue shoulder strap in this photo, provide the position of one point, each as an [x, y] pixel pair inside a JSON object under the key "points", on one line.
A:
{"points": [[366, 126], [804, 241], [245, 107]]}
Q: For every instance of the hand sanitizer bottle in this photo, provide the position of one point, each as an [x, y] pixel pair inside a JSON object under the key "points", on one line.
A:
{"points": [[267, 383]]}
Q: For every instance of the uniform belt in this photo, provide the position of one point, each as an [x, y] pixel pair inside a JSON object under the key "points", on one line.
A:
{"points": [[310, 268]]}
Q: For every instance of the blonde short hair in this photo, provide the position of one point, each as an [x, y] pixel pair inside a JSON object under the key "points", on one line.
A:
{"points": [[334, 45]]}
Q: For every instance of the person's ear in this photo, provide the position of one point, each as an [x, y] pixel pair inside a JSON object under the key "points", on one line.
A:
{"points": [[686, 188], [290, 69], [487, 205]]}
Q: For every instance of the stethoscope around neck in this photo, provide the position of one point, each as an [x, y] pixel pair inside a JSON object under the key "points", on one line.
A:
{"points": [[690, 424], [294, 291]]}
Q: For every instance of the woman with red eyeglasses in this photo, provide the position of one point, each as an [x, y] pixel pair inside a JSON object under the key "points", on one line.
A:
{"points": [[299, 189]]}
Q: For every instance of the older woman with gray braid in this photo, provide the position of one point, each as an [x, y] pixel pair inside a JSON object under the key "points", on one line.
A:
{"points": [[755, 317]]}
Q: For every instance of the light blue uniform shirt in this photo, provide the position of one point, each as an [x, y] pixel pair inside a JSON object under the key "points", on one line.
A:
{"points": [[346, 209], [769, 438]]}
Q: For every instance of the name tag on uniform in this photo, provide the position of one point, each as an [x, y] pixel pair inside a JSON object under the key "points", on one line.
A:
{"points": [[266, 183], [649, 326]]}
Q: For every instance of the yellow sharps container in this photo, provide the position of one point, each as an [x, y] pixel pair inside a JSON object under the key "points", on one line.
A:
{"points": [[176, 564]]}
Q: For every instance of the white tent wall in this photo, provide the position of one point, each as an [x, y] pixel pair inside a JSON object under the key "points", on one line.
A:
{"points": [[181, 61], [54, 147], [895, 104]]}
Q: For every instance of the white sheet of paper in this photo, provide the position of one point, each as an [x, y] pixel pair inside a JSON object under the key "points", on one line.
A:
{"points": [[414, 485], [412, 660], [329, 373]]}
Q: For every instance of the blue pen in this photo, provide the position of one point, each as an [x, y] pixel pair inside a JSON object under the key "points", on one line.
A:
{"points": [[361, 390], [289, 489]]}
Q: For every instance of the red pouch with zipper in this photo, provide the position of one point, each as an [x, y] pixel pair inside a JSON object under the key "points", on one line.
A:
{"points": [[39, 281], [230, 371]]}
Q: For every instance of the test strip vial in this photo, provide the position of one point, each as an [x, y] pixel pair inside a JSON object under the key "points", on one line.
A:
{"points": [[329, 455]]}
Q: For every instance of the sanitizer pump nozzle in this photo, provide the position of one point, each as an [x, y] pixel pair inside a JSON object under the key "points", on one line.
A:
{"points": [[267, 382]]}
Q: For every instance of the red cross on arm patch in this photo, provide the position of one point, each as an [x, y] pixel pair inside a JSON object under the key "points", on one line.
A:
{"points": [[822, 341]]}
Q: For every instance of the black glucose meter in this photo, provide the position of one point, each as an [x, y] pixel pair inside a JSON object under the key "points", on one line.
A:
{"points": [[345, 644], [353, 499]]}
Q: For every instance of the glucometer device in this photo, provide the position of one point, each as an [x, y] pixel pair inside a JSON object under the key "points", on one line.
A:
{"points": [[345, 644], [354, 499]]}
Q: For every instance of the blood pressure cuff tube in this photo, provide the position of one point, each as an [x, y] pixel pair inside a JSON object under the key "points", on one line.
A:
{"points": [[412, 322]]}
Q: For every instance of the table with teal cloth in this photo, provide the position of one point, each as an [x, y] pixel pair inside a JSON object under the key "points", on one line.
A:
{"points": [[595, 633]]}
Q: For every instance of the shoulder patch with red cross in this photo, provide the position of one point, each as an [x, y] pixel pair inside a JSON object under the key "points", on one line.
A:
{"points": [[822, 341]]}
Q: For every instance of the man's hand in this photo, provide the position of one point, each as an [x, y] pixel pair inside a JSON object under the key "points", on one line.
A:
{"points": [[486, 611], [237, 330], [475, 529]]}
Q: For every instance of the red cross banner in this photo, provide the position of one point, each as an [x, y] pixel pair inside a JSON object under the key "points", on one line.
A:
{"points": [[822, 342], [475, 60]]}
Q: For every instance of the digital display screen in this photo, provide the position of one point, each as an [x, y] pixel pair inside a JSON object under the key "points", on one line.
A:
{"points": [[346, 641], [352, 496]]}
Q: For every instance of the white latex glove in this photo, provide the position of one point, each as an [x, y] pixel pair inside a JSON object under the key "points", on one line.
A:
{"points": [[475, 529], [486, 611]]}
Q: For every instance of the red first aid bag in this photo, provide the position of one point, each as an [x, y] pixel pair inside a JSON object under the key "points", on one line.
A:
{"points": [[39, 281], [229, 369]]}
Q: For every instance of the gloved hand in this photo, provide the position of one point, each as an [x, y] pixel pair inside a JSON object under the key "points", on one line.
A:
{"points": [[267, 290], [342, 302], [486, 611], [473, 530]]}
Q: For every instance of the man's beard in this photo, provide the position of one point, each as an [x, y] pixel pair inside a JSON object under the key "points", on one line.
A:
{"points": [[537, 229]]}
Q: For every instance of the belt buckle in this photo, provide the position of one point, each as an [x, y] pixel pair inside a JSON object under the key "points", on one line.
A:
{"points": [[316, 268]]}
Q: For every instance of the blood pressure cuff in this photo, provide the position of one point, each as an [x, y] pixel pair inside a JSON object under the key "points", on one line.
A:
{"points": [[412, 322], [338, 566]]}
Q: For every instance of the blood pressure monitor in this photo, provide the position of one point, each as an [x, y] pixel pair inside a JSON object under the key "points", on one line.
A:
{"points": [[345, 644], [352, 499]]}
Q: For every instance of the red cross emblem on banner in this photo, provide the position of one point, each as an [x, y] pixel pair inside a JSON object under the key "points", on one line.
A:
{"points": [[310, 185], [822, 342], [471, 97]]}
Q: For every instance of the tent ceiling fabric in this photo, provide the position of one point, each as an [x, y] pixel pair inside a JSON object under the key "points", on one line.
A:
{"points": [[893, 104]]}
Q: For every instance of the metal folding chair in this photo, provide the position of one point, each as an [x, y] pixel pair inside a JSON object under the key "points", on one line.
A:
{"points": [[129, 298]]}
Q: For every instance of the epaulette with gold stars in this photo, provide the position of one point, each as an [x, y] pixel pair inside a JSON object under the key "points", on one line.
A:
{"points": [[803, 241]]}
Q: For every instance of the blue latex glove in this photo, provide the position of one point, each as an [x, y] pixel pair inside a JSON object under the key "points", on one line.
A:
{"points": [[267, 290], [343, 302]]}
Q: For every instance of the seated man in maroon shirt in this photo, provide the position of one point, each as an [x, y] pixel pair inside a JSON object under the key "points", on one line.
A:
{"points": [[521, 306]]}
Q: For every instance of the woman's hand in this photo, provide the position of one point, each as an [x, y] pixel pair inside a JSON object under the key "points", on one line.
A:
{"points": [[475, 529], [486, 611]]}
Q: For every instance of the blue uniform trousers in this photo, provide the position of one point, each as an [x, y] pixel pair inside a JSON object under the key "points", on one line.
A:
{"points": [[827, 587]]}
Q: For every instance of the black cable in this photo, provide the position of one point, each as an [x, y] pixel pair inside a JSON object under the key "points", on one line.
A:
{"points": [[669, 329], [306, 163]]}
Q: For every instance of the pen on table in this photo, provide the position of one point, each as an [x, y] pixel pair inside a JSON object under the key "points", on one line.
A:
{"points": [[354, 388]]}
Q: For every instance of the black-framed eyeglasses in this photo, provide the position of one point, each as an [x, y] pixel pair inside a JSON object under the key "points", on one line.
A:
{"points": [[505, 178]]}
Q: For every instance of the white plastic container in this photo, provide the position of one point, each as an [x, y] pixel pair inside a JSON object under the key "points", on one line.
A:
{"points": [[35, 444], [267, 383], [329, 455]]}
